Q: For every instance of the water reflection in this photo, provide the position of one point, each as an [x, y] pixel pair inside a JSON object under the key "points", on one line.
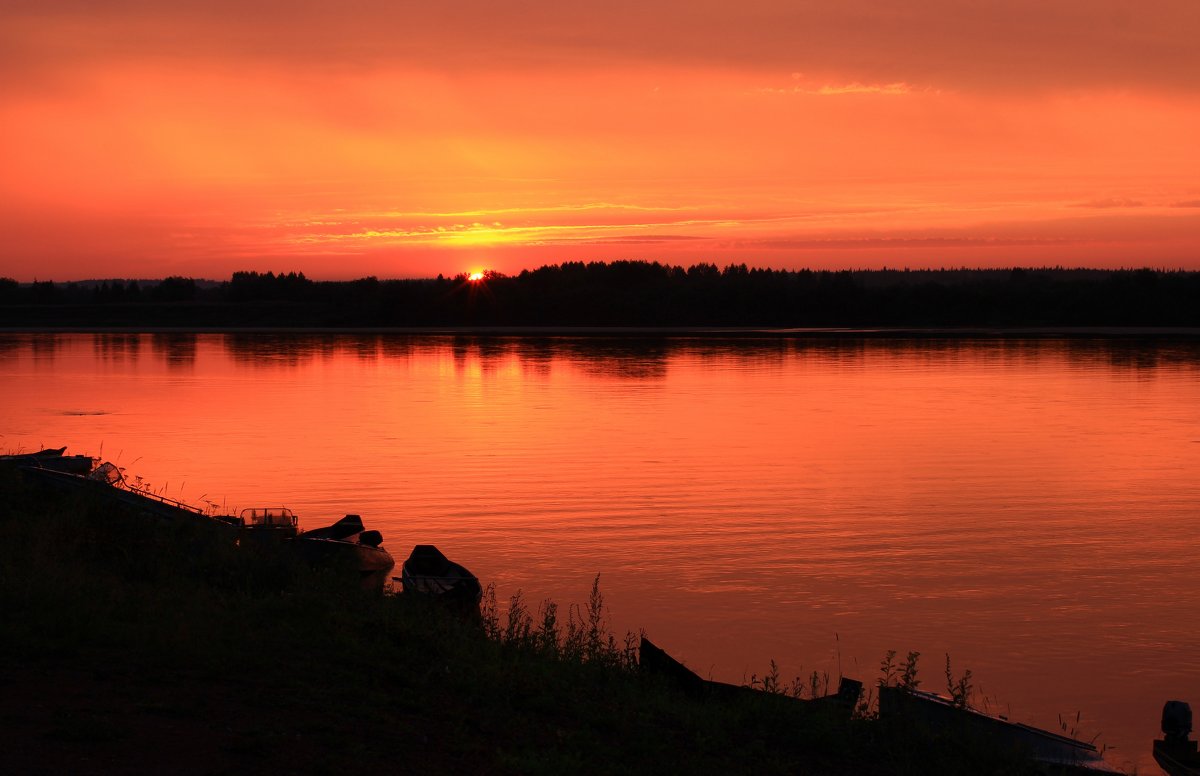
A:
{"points": [[626, 358], [177, 349], [648, 358]]}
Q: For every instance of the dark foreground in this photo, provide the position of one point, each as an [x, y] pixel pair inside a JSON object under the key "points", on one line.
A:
{"points": [[134, 647]]}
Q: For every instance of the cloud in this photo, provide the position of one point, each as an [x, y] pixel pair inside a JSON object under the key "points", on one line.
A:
{"points": [[825, 90], [997, 44], [1187, 203], [861, 243], [1110, 202]]}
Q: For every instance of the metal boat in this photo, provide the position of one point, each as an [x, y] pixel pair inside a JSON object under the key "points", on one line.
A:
{"points": [[346, 543], [1050, 751], [653, 659], [1175, 753]]}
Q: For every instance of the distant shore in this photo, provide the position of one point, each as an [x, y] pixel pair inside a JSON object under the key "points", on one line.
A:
{"points": [[629, 298], [716, 332]]}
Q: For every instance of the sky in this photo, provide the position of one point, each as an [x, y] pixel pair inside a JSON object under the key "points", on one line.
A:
{"points": [[140, 138]]}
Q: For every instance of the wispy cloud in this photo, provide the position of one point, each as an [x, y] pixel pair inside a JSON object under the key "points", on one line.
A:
{"points": [[1110, 202], [898, 88], [498, 234], [840, 243], [1187, 203], [531, 210]]}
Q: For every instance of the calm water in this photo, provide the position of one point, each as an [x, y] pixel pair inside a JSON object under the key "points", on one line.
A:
{"points": [[1031, 508]]}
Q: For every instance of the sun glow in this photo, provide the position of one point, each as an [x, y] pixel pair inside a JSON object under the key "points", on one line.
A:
{"points": [[475, 277]]}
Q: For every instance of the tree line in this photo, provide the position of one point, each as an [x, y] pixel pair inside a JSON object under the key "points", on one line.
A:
{"points": [[629, 293]]}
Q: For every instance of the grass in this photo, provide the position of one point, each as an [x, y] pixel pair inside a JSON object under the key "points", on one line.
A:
{"points": [[133, 646]]}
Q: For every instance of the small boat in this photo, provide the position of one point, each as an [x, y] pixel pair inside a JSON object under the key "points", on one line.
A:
{"points": [[346, 542], [54, 459], [266, 523], [653, 659], [24, 458], [1050, 751], [429, 572], [108, 482], [1175, 753]]}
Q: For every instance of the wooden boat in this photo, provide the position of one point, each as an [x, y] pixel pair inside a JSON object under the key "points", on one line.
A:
{"points": [[1051, 752], [1174, 752], [347, 543], [428, 572], [652, 659]]}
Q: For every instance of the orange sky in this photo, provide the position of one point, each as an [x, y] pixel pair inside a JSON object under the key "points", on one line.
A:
{"points": [[141, 138]]}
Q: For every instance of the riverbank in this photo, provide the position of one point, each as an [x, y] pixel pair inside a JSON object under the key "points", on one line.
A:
{"points": [[131, 647]]}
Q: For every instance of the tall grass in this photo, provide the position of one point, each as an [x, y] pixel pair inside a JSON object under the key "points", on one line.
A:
{"points": [[584, 637]]}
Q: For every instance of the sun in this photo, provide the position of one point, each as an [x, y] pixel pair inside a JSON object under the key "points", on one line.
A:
{"points": [[475, 277]]}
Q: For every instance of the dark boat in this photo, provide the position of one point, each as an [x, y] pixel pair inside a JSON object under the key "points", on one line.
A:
{"points": [[654, 660], [346, 542], [54, 460], [265, 523], [1175, 753], [24, 458], [428, 572], [107, 481], [1051, 752]]}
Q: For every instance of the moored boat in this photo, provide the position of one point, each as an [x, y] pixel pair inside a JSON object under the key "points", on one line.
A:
{"points": [[23, 458], [428, 572], [54, 459], [266, 523], [1052, 752], [108, 482], [1175, 753], [347, 542], [654, 660]]}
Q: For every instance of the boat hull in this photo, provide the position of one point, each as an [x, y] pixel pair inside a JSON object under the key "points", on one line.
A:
{"points": [[430, 573], [1050, 750], [1177, 758]]}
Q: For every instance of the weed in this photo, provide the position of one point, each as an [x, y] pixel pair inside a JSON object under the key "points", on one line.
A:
{"points": [[959, 689], [908, 677], [888, 668]]}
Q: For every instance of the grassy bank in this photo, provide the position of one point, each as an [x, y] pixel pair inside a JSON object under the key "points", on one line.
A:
{"points": [[131, 646]]}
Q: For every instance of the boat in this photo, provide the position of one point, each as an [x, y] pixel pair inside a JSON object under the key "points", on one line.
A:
{"points": [[653, 659], [428, 572], [23, 458], [1051, 752], [108, 482], [347, 543], [54, 459], [1175, 753], [266, 523]]}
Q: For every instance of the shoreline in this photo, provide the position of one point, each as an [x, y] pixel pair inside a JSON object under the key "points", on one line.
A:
{"points": [[665, 332]]}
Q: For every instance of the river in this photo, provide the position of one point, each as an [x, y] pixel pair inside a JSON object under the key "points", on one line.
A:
{"points": [[1030, 508]]}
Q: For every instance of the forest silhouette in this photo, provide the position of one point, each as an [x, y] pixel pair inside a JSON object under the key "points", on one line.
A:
{"points": [[627, 294]]}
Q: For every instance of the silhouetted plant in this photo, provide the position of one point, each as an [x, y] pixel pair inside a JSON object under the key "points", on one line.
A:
{"points": [[908, 677], [959, 689], [489, 613], [586, 638], [888, 668]]}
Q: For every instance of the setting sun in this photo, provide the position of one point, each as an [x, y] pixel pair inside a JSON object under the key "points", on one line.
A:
{"points": [[475, 277]]}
